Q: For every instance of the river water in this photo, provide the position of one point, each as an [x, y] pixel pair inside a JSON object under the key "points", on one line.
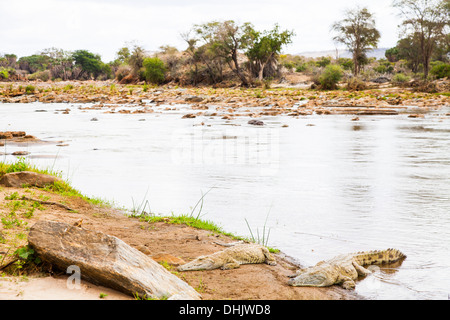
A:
{"points": [[318, 187]]}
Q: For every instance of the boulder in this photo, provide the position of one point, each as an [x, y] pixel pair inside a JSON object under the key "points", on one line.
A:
{"points": [[28, 178], [194, 99], [106, 260], [256, 122]]}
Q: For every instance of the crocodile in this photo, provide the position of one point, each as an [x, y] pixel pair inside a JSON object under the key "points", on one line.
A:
{"points": [[343, 269], [230, 258]]}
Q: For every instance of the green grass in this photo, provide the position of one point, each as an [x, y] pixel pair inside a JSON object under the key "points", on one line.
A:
{"points": [[189, 221], [60, 187], [202, 224]]}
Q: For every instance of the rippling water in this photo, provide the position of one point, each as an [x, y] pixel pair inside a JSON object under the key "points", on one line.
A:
{"points": [[325, 184]]}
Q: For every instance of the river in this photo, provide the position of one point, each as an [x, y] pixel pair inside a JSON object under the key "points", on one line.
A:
{"points": [[316, 186]]}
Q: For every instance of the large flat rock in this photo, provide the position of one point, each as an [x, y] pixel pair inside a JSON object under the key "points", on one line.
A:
{"points": [[106, 260], [27, 178]]}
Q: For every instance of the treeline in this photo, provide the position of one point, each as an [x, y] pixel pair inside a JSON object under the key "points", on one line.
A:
{"points": [[220, 52]]}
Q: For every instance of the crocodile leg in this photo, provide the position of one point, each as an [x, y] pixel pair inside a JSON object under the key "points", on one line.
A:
{"points": [[231, 265], [270, 260], [361, 270], [348, 284]]}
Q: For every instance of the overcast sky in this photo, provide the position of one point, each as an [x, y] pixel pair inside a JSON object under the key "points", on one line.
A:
{"points": [[103, 26]]}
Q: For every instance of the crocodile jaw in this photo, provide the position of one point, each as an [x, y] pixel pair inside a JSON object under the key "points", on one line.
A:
{"points": [[201, 263], [310, 280]]}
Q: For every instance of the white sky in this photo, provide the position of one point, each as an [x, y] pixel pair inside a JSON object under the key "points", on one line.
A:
{"points": [[103, 26]]}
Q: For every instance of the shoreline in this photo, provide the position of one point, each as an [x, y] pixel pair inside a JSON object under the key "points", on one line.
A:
{"points": [[227, 103], [167, 241]]}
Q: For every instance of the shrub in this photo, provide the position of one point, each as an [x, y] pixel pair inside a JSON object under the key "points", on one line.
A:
{"points": [[400, 78], [301, 68], [4, 74], [29, 89], [323, 62], [123, 71], [346, 63], [41, 75], [356, 84], [154, 70], [384, 66], [330, 77], [440, 70]]}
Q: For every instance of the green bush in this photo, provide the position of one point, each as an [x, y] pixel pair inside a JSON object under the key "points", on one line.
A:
{"points": [[29, 89], [301, 68], [400, 78], [330, 77], [384, 66], [154, 70], [4, 74], [440, 70], [41, 75], [346, 63], [323, 62]]}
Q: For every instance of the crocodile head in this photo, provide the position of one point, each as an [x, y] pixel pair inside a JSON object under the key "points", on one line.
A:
{"points": [[201, 263], [311, 279]]}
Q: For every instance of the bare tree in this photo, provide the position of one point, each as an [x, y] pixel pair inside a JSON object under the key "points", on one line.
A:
{"points": [[357, 31], [428, 20]]}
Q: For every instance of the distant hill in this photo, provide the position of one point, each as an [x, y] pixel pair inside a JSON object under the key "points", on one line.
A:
{"points": [[377, 53]]}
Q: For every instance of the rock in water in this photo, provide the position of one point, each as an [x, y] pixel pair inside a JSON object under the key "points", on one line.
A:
{"points": [[256, 122], [106, 260], [28, 178]]}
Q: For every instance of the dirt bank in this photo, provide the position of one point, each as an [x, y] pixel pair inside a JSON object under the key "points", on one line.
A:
{"points": [[162, 240]]}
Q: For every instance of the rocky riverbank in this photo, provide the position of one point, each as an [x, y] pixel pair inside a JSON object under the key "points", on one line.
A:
{"points": [[227, 103]]}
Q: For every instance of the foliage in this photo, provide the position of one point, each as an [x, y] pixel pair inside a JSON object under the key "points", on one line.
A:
{"points": [[330, 77], [384, 66], [155, 70], [323, 61], [136, 59], [29, 89], [392, 54], [41, 75], [264, 47], [400, 78], [218, 43], [428, 22], [346, 63], [90, 63], [357, 31], [440, 69], [4, 74]]}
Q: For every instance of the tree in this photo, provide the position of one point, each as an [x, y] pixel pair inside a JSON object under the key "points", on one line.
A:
{"points": [[154, 70], [60, 62], [136, 59], [123, 55], [408, 49], [219, 42], [357, 31], [89, 63], [391, 54], [426, 20], [264, 47]]}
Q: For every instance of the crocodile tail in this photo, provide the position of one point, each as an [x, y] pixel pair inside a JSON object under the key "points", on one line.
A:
{"points": [[379, 257]]}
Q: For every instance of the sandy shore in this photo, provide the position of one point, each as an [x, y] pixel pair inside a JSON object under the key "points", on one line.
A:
{"points": [[166, 242]]}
